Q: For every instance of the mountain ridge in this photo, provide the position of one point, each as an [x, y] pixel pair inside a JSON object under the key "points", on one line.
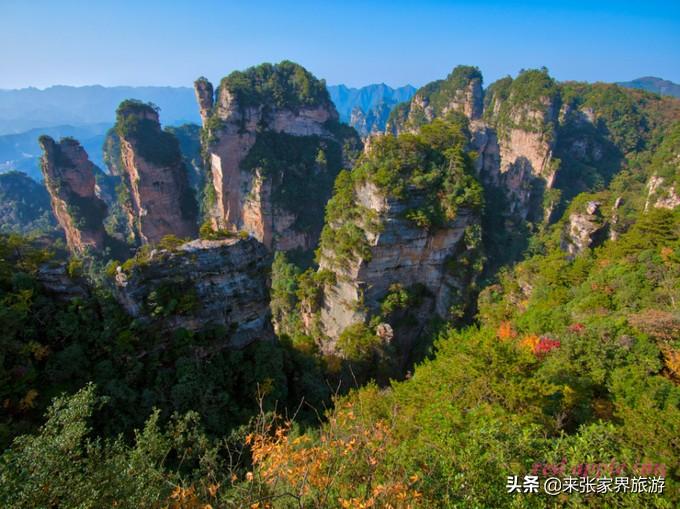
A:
{"points": [[653, 84]]}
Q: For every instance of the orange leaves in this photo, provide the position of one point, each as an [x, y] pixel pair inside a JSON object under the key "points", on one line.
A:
{"points": [[538, 345], [346, 463], [506, 331], [530, 341]]}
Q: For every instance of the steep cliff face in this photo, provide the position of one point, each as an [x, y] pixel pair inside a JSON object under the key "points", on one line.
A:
{"points": [[69, 178], [584, 229], [372, 121], [160, 199], [205, 96], [663, 187], [274, 147], [512, 128], [660, 195], [400, 245], [517, 141], [398, 253], [461, 92], [200, 285]]}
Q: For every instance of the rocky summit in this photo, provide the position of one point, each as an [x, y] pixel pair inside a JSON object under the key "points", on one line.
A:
{"points": [[161, 201], [69, 178], [273, 146]]}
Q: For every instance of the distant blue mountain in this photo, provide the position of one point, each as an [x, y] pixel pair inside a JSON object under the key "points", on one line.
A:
{"points": [[21, 151], [656, 85], [28, 108], [367, 102]]}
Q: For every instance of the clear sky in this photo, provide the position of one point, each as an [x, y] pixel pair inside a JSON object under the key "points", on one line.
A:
{"points": [[171, 42]]}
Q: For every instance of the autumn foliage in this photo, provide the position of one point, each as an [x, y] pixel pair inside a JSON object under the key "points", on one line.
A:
{"points": [[344, 467]]}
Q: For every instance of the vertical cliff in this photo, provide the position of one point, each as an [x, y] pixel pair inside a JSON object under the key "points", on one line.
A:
{"points": [[273, 146], [70, 181], [663, 186], [523, 114], [401, 243], [512, 128], [160, 199], [200, 285], [461, 92]]}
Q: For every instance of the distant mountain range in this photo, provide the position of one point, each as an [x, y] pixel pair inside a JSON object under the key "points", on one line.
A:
{"points": [[656, 85], [28, 108], [21, 151], [87, 112], [367, 108]]}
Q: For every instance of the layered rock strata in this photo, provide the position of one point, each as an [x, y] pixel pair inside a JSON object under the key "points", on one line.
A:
{"points": [[258, 152], [161, 201], [202, 284], [70, 181], [400, 253]]}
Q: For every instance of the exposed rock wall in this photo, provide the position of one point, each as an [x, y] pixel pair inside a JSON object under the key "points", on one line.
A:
{"points": [[460, 92], [202, 284], [400, 253], [244, 197], [69, 178], [514, 135], [584, 230], [660, 196], [161, 201], [517, 155]]}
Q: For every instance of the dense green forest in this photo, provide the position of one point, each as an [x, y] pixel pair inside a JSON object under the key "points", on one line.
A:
{"points": [[558, 358]]}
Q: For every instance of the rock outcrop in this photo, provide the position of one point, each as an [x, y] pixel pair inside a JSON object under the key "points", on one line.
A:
{"points": [[398, 249], [272, 159], [515, 143], [56, 280], [399, 253], [370, 122], [205, 96], [70, 181], [584, 230], [513, 129], [161, 201], [461, 92], [202, 284], [661, 196]]}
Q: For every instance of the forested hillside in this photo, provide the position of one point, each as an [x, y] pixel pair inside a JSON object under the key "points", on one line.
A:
{"points": [[493, 292]]}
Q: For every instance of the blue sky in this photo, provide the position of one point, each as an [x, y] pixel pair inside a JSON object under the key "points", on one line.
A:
{"points": [[172, 42]]}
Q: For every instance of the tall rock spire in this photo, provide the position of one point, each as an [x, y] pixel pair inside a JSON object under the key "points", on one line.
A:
{"points": [[69, 178], [162, 202]]}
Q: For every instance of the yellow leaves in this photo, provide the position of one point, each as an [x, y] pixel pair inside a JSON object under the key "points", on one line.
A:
{"points": [[530, 341], [672, 360], [28, 401], [212, 489], [346, 458], [667, 254]]}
